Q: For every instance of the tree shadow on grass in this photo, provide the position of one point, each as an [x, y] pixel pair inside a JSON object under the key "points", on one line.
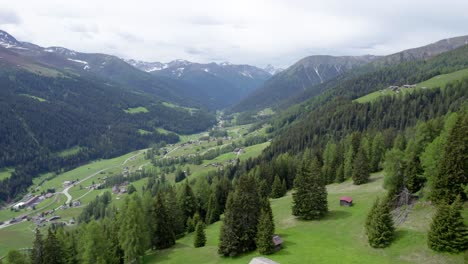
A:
{"points": [[337, 215], [400, 234]]}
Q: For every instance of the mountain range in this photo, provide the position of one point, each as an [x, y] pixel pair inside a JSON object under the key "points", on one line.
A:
{"points": [[214, 86], [312, 75], [218, 84]]}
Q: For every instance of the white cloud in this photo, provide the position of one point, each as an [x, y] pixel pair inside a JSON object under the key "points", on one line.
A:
{"points": [[242, 31]]}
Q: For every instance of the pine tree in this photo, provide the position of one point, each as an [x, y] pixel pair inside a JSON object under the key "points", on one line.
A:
{"points": [[277, 188], [377, 152], [16, 257], [265, 230], [348, 163], [188, 202], [133, 233], [239, 227], [37, 252], [448, 232], [53, 252], [200, 236], [229, 243], [163, 235], [379, 225], [361, 172], [451, 176], [412, 173], [176, 215], [214, 211], [310, 196]]}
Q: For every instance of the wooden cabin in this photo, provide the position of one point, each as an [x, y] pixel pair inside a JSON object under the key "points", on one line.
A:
{"points": [[346, 201], [278, 242]]}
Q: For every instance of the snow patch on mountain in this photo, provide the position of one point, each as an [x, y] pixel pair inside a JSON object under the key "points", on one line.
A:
{"points": [[79, 61], [272, 70]]}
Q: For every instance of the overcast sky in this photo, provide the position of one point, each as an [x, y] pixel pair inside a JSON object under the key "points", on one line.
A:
{"points": [[252, 32]]}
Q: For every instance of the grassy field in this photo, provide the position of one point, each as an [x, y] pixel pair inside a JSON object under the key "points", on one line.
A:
{"points": [[68, 152], [136, 110], [439, 81], [339, 238], [35, 97], [171, 105], [101, 169], [6, 173]]}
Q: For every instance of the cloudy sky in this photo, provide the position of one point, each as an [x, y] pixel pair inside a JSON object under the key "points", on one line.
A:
{"points": [[254, 32]]}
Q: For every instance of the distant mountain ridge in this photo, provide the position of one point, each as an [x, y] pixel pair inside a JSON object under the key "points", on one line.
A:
{"points": [[212, 85], [219, 84], [311, 75], [306, 73]]}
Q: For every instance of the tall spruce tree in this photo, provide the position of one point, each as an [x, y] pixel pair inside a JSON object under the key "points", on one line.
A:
{"points": [[448, 233], [176, 215], [37, 252], [451, 176], [214, 212], [310, 196], [265, 229], [188, 202], [163, 234], [377, 152], [277, 188], [229, 242], [16, 257], [361, 172], [53, 252], [380, 229], [200, 236], [133, 233], [239, 227]]}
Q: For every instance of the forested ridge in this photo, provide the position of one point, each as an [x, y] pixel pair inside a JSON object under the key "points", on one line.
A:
{"points": [[42, 116], [418, 140]]}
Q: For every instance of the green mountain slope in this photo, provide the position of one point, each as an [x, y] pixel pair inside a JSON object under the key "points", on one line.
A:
{"points": [[45, 111], [439, 81]]}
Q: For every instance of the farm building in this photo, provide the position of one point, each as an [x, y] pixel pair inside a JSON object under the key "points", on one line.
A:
{"points": [[278, 242], [262, 260], [346, 201]]}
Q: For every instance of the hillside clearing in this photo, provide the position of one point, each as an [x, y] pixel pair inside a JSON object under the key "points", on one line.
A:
{"points": [[339, 238], [439, 81]]}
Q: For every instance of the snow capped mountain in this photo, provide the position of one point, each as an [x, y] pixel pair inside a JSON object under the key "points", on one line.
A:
{"points": [[8, 41], [272, 70], [147, 66], [180, 68], [61, 51]]}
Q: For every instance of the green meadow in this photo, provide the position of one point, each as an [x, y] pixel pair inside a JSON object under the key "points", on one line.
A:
{"points": [[338, 238], [439, 81]]}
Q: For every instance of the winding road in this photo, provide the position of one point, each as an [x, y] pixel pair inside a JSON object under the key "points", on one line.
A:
{"points": [[65, 190]]}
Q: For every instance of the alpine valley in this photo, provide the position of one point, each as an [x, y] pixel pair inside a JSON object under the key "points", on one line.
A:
{"points": [[334, 159]]}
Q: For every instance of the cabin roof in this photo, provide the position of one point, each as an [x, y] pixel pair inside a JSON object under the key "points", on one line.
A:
{"points": [[346, 199]]}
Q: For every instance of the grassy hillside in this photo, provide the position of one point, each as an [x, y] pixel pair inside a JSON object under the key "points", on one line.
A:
{"points": [[439, 81], [338, 238]]}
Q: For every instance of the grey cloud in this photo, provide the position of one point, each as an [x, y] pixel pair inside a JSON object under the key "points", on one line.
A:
{"points": [[129, 37], [83, 28], [9, 17], [205, 21], [195, 51]]}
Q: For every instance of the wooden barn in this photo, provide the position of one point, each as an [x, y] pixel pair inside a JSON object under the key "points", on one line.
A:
{"points": [[278, 242], [346, 201]]}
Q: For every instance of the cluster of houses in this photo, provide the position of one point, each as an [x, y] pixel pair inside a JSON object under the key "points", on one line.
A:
{"points": [[396, 88], [239, 151], [120, 189], [32, 201], [69, 183]]}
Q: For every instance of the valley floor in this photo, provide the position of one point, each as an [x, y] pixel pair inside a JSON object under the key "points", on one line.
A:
{"points": [[339, 238]]}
